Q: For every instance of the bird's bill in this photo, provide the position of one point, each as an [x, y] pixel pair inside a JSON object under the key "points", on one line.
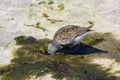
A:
{"points": [[90, 30]]}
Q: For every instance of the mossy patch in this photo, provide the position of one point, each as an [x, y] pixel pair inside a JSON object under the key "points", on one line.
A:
{"points": [[23, 40], [44, 10], [30, 60], [93, 39], [50, 2], [37, 25], [61, 7], [45, 15], [54, 20]]}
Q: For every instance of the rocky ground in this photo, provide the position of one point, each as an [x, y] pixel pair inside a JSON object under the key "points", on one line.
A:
{"points": [[27, 26]]}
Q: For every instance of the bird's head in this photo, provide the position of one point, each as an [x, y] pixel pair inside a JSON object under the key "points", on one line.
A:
{"points": [[52, 48]]}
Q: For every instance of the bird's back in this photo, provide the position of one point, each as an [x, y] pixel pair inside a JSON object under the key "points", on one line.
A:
{"points": [[67, 34]]}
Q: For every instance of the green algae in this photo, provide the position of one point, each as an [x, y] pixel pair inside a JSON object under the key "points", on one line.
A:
{"points": [[45, 15], [54, 20], [30, 60], [37, 25], [23, 40], [93, 39], [23, 71], [61, 7], [44, 9], [50, 2]]}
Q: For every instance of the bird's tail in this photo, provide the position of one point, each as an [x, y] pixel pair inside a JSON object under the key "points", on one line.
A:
{"points": [[90, 26]]}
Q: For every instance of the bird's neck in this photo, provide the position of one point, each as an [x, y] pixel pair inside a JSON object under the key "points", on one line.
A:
{"points": [[56, 44]]}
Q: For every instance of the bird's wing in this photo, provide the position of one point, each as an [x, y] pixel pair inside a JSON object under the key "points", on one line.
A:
{"points": [[65, 35], [69, 34], [81, 36], [82, 33]]}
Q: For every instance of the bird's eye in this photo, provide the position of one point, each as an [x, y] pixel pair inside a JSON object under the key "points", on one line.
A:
{"points": [[48, 50]]}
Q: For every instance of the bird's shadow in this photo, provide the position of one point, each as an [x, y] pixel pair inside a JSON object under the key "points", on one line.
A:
{"points": [[81, 49]]}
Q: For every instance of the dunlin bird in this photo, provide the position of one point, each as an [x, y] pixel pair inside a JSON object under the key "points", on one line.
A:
{"points": [[67, 36]]}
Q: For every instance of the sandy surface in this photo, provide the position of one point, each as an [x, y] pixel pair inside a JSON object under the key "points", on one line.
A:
{"points": [[46, 77], [15, 13], [108, 63]]}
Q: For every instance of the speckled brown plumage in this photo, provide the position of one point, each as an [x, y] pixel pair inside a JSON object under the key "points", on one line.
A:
{"points": [[67, 34]]}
